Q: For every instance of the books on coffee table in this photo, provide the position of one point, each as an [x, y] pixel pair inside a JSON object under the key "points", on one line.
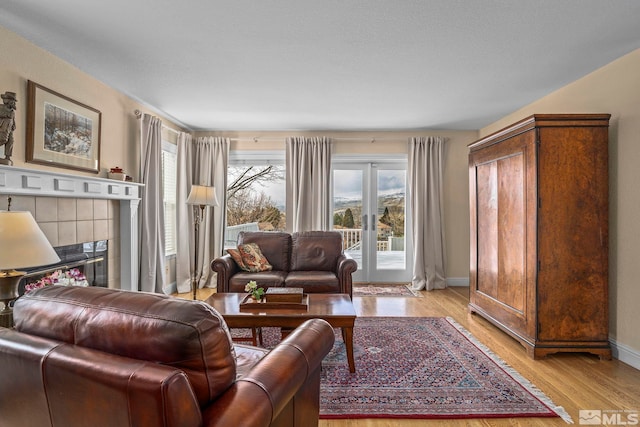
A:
{"points": [[284, 295]]}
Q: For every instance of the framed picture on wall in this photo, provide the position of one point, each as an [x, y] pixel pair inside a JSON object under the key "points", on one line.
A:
{"points": [[60, 131]]}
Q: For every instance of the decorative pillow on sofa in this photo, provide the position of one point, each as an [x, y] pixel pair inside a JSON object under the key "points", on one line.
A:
{"points": [[253, 259], [235, 254]]}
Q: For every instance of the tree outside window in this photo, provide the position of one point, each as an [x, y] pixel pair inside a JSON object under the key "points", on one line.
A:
{"points": [[255, 199]]}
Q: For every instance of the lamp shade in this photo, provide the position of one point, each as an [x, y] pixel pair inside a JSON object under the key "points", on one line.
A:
{"points": [[22, 243], [202, 195]]}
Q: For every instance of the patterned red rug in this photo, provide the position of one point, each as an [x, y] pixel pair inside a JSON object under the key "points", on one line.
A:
{"points": [[422, 368]]}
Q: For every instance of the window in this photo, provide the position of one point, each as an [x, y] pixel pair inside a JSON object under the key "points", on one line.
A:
{"points": [[169, 173], [255, 193]]}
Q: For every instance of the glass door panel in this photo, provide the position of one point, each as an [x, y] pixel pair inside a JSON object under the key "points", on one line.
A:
{"points": [[390, 225], [348, 194], [369, 202]]}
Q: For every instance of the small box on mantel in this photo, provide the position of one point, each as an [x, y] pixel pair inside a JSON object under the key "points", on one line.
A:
{"points": [[284, 295]]}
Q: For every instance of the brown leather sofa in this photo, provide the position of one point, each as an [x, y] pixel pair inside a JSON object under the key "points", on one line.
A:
{"points": [[311, 260], [99, 357]]}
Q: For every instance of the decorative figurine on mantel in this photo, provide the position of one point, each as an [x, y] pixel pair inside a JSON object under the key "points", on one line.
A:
{"points": [[7, 125]]}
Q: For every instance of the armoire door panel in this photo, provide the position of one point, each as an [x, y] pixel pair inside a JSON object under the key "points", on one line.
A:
{"points": [[503, 195], [501, 221], [487, 217], [511, 232]]}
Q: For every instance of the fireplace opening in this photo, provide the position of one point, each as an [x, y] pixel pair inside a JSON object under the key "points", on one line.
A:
{"points": [[82, 264]]}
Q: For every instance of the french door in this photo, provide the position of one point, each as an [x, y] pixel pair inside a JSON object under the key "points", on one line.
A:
{"points": [[369, 209]]}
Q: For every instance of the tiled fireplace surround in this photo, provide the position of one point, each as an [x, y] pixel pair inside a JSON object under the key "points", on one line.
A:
{"points": [[76, 209], [68, 221]]}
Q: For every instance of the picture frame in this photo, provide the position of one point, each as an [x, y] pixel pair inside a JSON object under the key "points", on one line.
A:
{"points": [[61, 132]]}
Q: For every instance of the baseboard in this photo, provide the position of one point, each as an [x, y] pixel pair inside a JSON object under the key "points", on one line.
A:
{"points": [[458, 281], [625, 354]]}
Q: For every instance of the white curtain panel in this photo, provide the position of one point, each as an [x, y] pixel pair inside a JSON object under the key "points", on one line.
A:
{"points": [[308, 164], [200, 162], [426, 168], [152, 256], [184, 214]]}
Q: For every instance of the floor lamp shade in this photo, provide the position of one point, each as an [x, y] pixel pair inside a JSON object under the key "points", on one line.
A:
{"points": [[203, 196]]}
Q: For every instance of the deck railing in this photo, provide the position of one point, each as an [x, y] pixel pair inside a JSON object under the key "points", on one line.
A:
{"points": [[232, 231], [351, 241], [351, 238]]}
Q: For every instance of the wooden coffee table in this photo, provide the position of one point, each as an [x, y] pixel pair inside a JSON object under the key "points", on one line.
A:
{"points": [[337, 309]]}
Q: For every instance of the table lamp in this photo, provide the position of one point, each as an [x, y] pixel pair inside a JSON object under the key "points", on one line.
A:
{"points": [[200, 197], [22, 244]]}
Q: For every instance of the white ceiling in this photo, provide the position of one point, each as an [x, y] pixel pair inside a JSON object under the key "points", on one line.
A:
{"points": [[331, 64]]}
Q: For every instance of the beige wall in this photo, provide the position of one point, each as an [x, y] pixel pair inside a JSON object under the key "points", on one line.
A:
{"points": [[456, 197], [614, 89]]}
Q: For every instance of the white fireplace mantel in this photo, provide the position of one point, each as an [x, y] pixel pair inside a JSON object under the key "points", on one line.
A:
{"points": [[30, 182]]}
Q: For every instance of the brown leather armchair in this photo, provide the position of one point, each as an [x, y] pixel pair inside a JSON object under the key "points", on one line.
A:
{"points": [[311, 260], [100, 357]]}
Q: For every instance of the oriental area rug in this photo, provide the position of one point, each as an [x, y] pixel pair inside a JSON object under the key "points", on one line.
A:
{"points": [[422, 368], [384, 290]]}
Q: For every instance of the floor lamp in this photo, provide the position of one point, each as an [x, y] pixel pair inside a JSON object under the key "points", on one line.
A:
{"points": [[22, 245], [200, 197]]}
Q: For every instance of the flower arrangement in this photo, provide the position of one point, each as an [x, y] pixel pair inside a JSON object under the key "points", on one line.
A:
{"points": [[71, 277], [254, 290]]}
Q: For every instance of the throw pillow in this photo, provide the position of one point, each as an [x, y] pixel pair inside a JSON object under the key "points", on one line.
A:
{"points": [[253, 258], [235, 254]]}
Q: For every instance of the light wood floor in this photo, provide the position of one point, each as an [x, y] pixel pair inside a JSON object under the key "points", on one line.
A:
{"points": [[573, 381]]}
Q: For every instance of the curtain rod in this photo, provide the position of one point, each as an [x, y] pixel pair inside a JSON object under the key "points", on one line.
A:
{"points": [[138, 115], [346, 138], [369, 139]]}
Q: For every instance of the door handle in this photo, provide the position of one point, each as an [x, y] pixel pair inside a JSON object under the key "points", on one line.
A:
{"points": [[364, 222], [373, 223]]}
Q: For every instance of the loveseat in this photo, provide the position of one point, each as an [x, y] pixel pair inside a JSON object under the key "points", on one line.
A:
{"points": [[311, 260], [100, 357]]}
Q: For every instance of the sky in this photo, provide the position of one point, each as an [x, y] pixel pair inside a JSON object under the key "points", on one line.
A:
{"points": [[348, 183]]}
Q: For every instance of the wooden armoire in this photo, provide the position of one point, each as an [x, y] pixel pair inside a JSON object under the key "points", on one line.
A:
{"points": [[539, 232]]}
